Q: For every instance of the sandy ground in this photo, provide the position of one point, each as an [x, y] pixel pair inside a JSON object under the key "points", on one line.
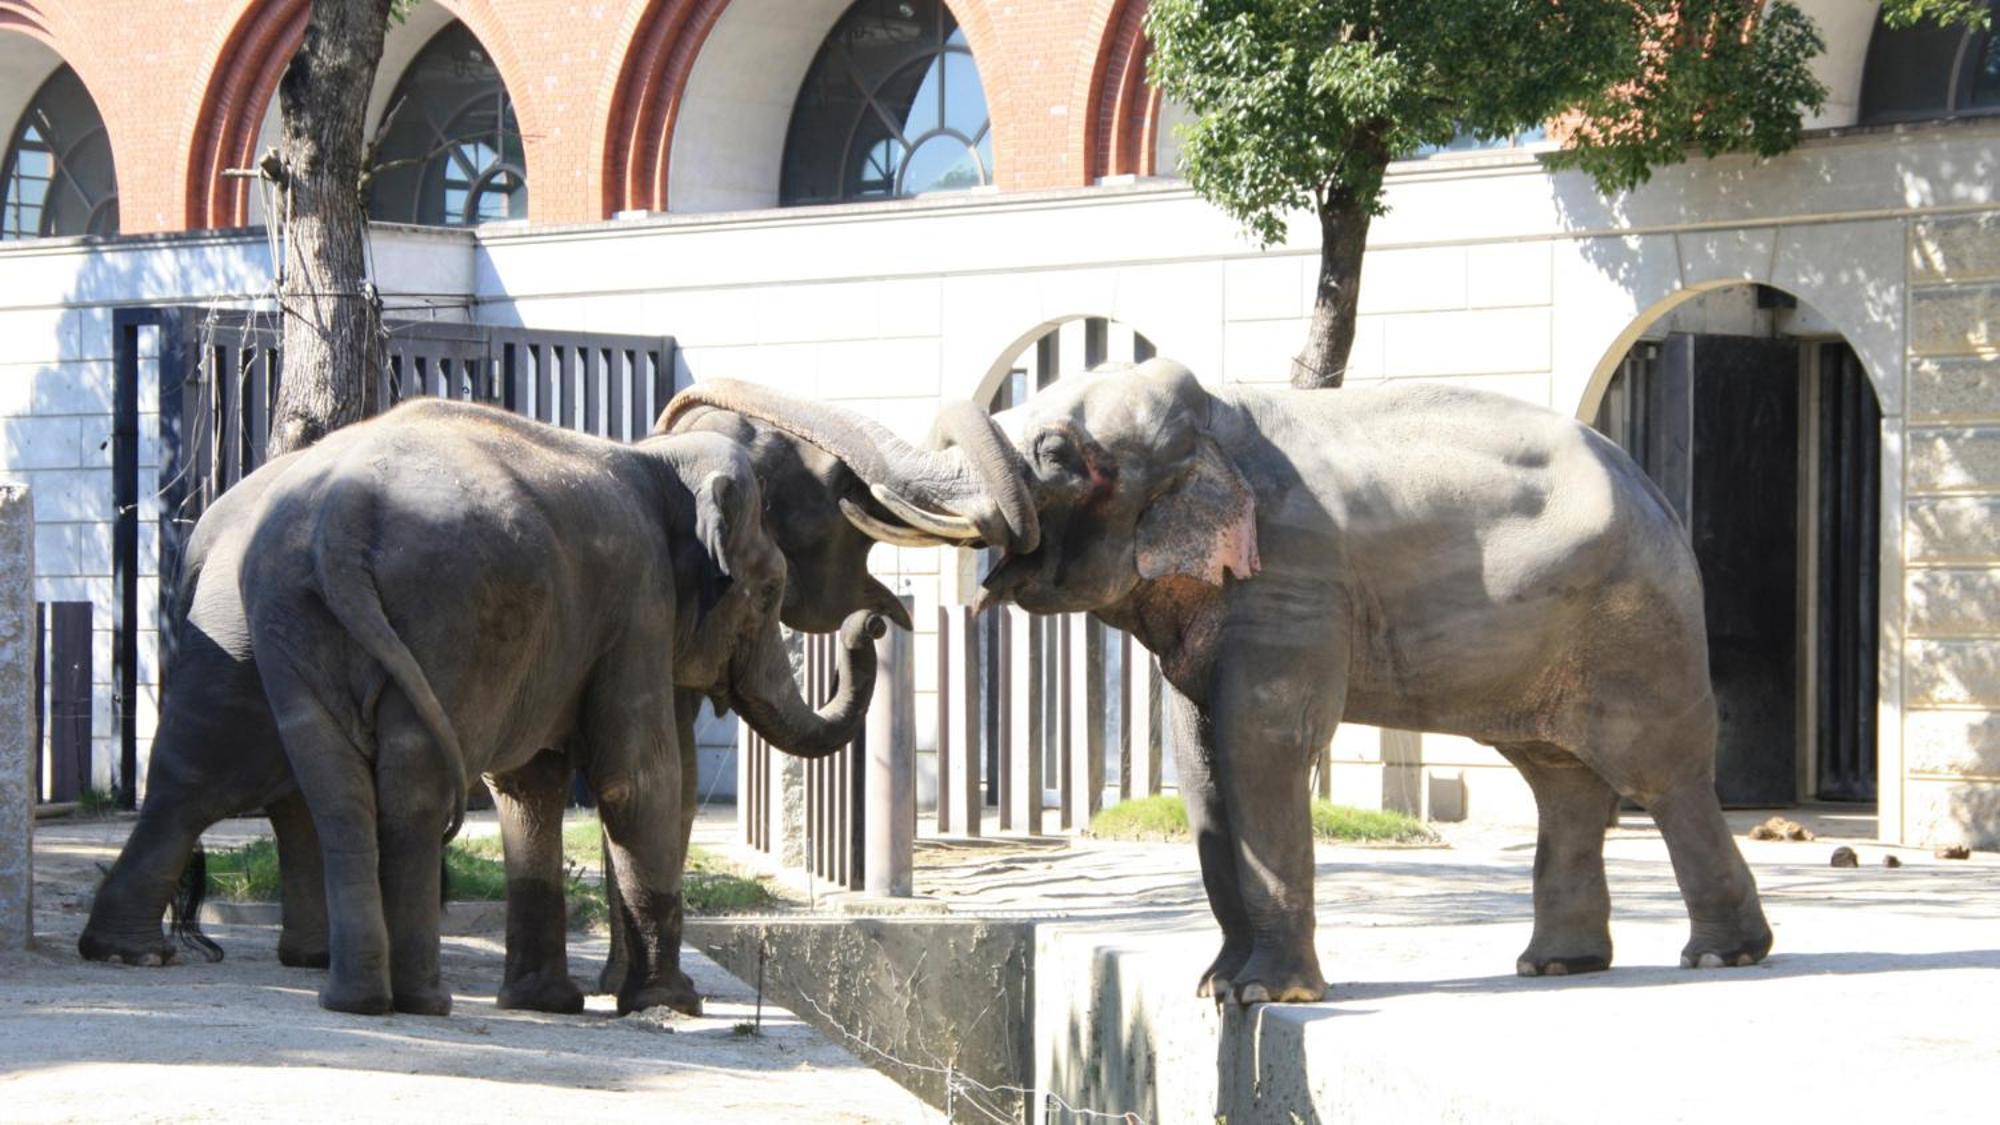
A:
{"points": [[245, 1039]]}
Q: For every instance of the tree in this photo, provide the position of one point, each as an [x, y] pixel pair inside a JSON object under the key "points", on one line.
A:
{"points": [[1303, 103], [332, 317]]}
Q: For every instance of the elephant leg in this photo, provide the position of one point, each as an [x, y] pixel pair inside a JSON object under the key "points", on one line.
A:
{"points": [[1572, 906], [635, 771], [217, 754], [1208, 823], [413, 805], [302, 942], [339, 788], [687, 704], [1270, 707], [530, 801]]}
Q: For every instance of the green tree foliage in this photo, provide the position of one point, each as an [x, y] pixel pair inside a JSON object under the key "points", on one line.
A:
{"points": [[1302, 104]]}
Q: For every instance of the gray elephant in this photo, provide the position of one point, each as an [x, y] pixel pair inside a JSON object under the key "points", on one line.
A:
{"points": [[1419, 557], [217, 753]]}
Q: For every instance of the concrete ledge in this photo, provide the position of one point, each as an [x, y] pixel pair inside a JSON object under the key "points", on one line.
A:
{"points": [[939, 1004], [17, 718]]}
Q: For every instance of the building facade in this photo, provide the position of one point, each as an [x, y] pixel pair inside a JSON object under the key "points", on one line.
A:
{"points": [[888, 204]]}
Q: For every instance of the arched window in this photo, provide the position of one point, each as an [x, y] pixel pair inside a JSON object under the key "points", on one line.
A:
{"points": [[891, 107], [452, 154], [1929, 71], [58, 169]]}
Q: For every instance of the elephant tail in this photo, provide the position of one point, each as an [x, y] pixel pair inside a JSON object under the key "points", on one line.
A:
{"points": [[185, 907], [348, 586]]}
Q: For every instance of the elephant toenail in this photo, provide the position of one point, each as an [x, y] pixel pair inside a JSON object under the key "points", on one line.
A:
{"points": [[1711, 960]]}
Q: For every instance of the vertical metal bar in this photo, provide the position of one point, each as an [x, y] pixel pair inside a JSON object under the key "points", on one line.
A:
{"points": [[1003, 674], [962, 647], [617, 385], [644, 363], [1125, 648], [125, 531], [41, 687], [1026, 675], [1068, 793], [591, 363], [885, 801], [945, 747]]}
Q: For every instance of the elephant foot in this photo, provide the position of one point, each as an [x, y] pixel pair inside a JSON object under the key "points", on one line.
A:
{"points": [[611, 978], [678, 995], [1548, 958], [1739, 941], [1229, 962], [432, 1001], [303, 955], [125, 949], [367, 1000], [1277, 978], [542, 993]]}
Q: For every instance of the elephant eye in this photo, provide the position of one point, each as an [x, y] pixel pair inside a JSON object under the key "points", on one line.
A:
{"points": [[1055, 450]]}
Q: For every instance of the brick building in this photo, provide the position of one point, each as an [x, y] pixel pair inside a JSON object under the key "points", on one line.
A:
{"points": [[889, 203]]}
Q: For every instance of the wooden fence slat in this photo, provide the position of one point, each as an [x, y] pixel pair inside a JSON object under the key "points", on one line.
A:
{"points": [[1084, 702], [1025, 722], [70, 660]]}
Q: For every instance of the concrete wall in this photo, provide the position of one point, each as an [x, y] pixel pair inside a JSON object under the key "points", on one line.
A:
{"points": [[17, 718]]}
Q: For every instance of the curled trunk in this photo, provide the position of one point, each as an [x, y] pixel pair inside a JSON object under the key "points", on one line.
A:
{"points": [[767, 696]]}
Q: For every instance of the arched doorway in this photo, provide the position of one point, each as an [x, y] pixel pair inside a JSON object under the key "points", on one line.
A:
{"points": [[1761, 427], [451, 151]]}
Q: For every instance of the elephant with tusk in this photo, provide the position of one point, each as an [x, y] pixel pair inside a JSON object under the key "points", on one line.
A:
{"points": [[1419, 557]]}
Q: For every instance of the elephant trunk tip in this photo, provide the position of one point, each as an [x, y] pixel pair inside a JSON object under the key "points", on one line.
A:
{"points": [[863, 626]]}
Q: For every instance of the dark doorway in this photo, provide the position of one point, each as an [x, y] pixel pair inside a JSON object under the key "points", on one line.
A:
{"points": [[1768, 450]]}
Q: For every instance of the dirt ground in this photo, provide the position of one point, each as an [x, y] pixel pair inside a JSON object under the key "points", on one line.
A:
{"points": [[246, 1039]]}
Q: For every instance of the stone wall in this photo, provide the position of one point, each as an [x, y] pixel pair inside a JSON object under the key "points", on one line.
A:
{"points": [[17, 717], [1951, 593]]}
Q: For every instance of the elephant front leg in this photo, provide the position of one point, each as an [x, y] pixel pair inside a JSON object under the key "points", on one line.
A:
{"points": [[530, 802], [1270, 708], [1208, 824], [635, 770], [687, 704]]}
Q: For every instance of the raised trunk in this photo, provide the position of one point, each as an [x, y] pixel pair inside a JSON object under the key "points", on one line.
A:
{"points": [[767, 696], [1343, 232], [332, 323]]}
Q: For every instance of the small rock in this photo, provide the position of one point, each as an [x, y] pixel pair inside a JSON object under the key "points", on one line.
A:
{"points": [[1778, 828], [1954, 851], [1891, 861], [1845, 857]]}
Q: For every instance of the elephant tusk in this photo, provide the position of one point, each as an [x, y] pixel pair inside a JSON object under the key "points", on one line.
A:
{"points": [[888, 533], [953, 528]]}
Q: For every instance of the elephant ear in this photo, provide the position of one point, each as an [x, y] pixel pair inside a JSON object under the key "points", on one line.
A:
{"points": [[714, 501], [1202, 527]]}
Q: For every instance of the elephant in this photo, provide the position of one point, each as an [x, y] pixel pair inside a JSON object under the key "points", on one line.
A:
{"points": [[1411, 556], [681, 517], [217, 753]]}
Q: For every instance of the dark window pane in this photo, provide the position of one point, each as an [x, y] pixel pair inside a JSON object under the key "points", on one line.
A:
{"points": [[891, 106], [453, 155], [58, 169], [1909, 72], [1986, 73]]}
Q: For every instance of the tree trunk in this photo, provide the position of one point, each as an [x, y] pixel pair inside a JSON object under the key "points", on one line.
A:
{"points": [[1343, 236], [332, 324]]}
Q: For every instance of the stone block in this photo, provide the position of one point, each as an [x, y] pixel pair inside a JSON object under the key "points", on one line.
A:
{"points": [[1953, 602], [923, 994], [1480, 342], [1954, 530], [1744, 254], [1271, 287], [17, 717], [1426, 280], [1940, 812], [40, 443], [1508, 274], [1955, 459], [1954, 320], [1952, 673], [1955, 387], [1955, 248], [1952, 742]]}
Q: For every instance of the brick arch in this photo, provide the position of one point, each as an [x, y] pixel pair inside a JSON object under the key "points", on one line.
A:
{"points": [[664, 45], [1121, 112], [243, 78], [26, 17]]}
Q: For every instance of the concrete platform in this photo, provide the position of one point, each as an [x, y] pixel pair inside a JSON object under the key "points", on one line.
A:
{"points": [[1876, 1004]]}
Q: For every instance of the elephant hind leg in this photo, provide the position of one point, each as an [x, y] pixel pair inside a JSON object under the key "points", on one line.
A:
{"points": [[1572, 904], [413, 799], [302, 942], [530, 800]]}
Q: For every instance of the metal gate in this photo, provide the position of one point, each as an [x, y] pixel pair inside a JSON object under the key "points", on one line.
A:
{"points": [[218, 374]]}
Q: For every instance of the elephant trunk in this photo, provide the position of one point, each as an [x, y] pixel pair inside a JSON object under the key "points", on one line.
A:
{"points": [[767, 696], [971, 488]]}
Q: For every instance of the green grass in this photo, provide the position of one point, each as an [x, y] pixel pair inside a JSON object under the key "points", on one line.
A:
{"points": [[1165, 818], [711, 885]]}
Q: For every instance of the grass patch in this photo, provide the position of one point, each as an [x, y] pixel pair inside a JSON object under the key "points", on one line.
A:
{"points": [[477, 873], [1165, 818]]}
